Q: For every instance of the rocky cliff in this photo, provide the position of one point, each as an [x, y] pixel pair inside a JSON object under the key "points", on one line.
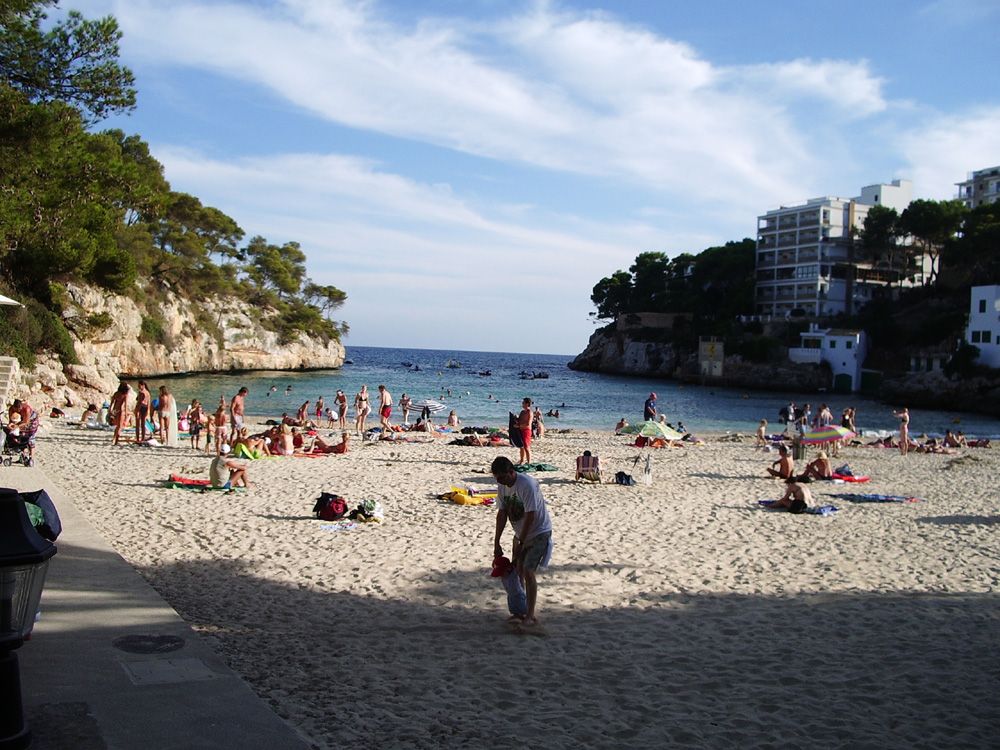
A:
{"points": [[612, 350], [223, 334]]}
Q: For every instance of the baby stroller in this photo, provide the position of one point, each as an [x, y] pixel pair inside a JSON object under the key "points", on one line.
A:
{"points": [[17, 440]]}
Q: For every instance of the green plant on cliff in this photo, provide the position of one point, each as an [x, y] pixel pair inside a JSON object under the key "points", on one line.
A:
{"points": [[94, 207]]}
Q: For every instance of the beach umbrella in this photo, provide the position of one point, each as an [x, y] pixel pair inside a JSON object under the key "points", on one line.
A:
{"points": [[828, 434], [652, 429], [9, 301], [427, 403]]}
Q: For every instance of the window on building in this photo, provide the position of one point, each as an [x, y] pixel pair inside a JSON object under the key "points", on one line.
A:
{"points": [[849, 344], [982, 305], [975, 337], [833, 344], [985, 336]]}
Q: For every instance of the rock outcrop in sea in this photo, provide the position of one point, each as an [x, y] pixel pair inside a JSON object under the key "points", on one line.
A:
{"points": [[222, 334], [616, 351]]}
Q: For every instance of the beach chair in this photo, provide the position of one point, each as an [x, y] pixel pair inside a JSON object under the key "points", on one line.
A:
{"points": [[588, 467]]}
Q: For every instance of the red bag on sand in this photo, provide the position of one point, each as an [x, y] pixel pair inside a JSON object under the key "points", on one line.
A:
{"points": [[330, 507]]}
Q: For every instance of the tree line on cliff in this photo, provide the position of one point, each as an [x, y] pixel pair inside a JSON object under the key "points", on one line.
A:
{"points": [[716, 286], [88, 205]]}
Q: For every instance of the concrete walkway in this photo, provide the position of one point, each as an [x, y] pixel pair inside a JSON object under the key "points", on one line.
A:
{"points": [[111, 666]]}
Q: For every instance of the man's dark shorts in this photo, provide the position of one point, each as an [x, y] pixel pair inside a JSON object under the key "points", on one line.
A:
{"points": [[535, 551]]}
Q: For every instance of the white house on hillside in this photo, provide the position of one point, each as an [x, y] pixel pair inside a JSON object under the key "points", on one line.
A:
{"points": [[843, 350], [983, 329]]}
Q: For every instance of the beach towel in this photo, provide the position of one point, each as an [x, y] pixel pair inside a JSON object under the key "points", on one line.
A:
{"points": [[876, 498], [176, 481], [244, 451], [515, 432], [524, 468], [820, 510], [339, 526], [850, 478]]}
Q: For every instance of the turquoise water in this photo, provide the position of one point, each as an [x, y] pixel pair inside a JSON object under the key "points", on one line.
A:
{"points": [[584, 400]]}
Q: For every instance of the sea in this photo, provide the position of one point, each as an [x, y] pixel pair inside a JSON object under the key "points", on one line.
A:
{"points": [[482, 387]]}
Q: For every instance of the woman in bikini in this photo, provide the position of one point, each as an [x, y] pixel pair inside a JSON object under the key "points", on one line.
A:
{"points": [[361, 409], [142, 401], [904, 429], [341, 400], [118, 411]]}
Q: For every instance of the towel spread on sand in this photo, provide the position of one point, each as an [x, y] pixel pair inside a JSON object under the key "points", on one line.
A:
{"points": [[819, 510], [522, 468], [876, 498]]}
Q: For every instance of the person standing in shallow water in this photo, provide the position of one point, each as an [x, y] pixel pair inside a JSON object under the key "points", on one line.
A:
{"points": [[520, 501], [649, 408]]}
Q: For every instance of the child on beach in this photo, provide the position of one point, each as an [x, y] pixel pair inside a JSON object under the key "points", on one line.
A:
{"points": [[220, 425], [761, 434], [195, 414], [517, 601], [209, 432]]}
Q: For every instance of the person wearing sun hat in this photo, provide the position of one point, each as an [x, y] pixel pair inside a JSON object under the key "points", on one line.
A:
{"points": [[649, 408]]}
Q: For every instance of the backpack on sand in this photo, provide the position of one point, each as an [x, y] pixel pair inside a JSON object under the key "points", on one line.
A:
{"points": [[330, 507]]}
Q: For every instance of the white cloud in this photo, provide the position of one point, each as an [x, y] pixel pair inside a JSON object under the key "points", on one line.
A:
{"points": [[406, 251], [849, 87], [571, 91], [945, 148]]}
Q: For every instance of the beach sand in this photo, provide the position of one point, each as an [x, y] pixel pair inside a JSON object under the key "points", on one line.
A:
{"points": [[678, 614]]}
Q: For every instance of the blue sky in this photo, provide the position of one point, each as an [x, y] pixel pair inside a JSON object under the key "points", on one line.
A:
{"points": [[468, 170]]}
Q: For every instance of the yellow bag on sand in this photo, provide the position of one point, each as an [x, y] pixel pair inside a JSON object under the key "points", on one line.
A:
{"points": [[461, 498]]}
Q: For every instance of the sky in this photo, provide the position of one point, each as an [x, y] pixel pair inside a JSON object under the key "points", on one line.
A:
{"points": [[467, 170]]}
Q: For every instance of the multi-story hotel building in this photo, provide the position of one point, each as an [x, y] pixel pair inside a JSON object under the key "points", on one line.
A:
{"points": [[982, 186], [805, 256]]}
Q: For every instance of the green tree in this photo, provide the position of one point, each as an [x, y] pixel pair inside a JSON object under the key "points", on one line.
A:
{"points": [[186, 236], [75, 61], [973, 257], [880, 241], [280, 268], [612, 295], [649, 282], [931, 224]]}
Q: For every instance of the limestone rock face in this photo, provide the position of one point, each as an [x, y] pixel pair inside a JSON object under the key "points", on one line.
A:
{"points": [[612, 352], [239, 340]]}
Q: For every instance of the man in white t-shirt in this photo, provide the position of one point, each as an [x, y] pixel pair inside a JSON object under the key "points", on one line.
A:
{"points": [[519, 499]]}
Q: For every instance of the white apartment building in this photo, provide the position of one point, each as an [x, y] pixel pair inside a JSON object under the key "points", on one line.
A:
{"points": [[983, 330], [805, 261], [982, 186]]}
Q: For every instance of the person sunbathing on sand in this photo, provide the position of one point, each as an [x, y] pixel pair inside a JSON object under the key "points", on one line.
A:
{"points": [[796, 498], [818, 469], [319, 445], [785, 464]]}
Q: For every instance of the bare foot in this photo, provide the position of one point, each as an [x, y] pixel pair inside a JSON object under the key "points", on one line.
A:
{"points": [[515, 619]]}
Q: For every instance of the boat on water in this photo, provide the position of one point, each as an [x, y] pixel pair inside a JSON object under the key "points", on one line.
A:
{"points": [[533, 375], [453, 364], [486, 373]]}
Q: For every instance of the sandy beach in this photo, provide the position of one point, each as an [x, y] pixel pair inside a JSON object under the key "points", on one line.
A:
{"points": [[679, 614]]}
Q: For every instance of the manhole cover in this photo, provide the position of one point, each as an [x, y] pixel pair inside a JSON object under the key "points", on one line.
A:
{"points": [[148, 644]]}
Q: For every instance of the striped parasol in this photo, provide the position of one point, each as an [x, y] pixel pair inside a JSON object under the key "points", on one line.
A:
{"points": [[828, 434], [427, 403]]}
